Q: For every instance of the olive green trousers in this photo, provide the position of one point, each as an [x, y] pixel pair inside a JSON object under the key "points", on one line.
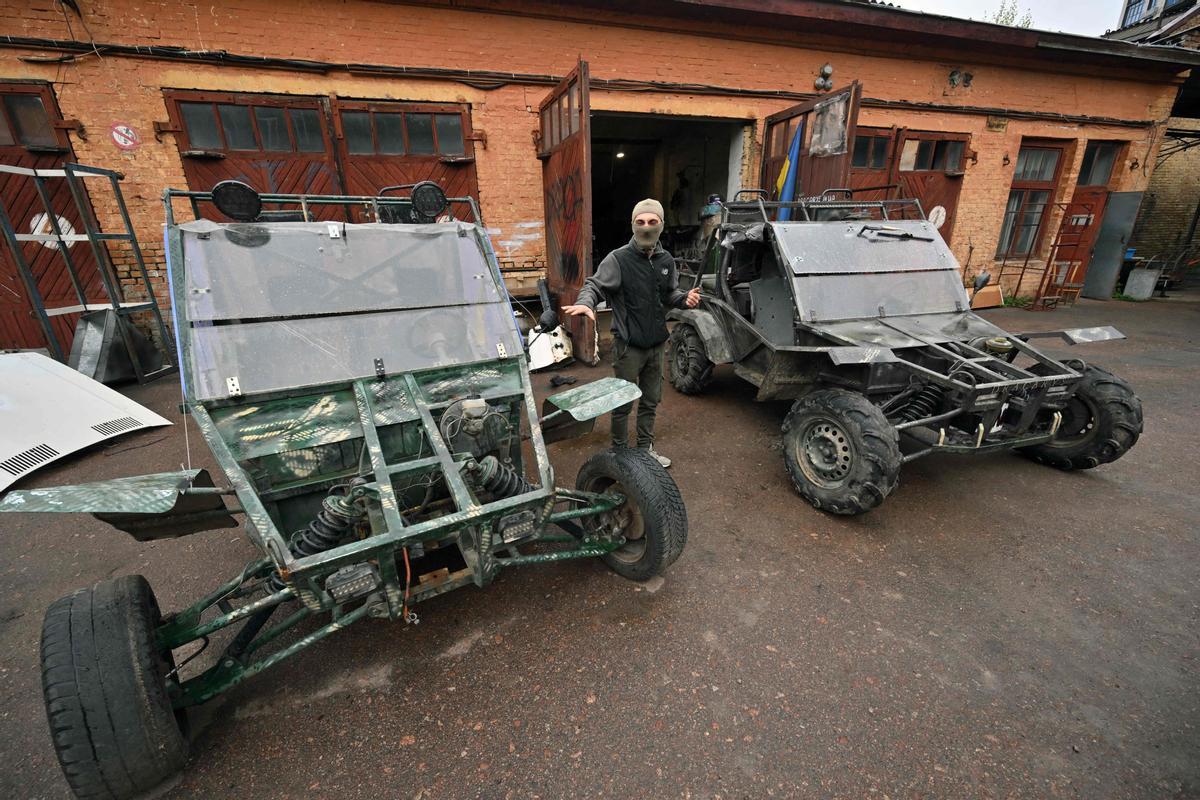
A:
{"points": [[641, 366]]}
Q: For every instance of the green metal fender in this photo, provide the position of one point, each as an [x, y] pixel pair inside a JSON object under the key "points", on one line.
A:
{"points": [[573, 412], [158, 506]]}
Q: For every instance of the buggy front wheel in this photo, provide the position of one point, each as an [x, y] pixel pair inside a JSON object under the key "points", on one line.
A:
{"points": [[1101, 422], [840, 451], [105, 687], [652, 519]]}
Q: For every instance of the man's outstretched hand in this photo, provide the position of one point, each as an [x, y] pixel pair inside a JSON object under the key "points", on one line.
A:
{"points": [[693, 298], [575, 311]]}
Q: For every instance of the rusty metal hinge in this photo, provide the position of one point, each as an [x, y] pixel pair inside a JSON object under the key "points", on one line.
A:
{"points": [[73, 125], [164, 127], [478, 136]]}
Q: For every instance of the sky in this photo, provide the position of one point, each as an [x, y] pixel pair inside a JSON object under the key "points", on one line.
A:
{"points": [[1087, 17]]}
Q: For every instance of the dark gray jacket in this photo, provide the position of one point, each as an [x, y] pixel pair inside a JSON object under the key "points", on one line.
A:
{"points": [[638, 287]]}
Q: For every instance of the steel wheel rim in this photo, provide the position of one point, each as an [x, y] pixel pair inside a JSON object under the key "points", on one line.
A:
{"points": [[824, 452], [1078, 425], [682, 360], [626, 520]]}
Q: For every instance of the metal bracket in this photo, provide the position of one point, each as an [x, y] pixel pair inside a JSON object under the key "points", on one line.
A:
{"points": [[72, 125], [164, 127], [478, 136], [500, 350], [233, 387], [334, 231], [380, 372]]}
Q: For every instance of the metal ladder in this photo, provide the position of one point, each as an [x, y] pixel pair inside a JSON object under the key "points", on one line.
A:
{"points": [[74, 175]]}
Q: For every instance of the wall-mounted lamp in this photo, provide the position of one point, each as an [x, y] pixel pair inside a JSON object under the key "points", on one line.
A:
{"points": [[620, 154], [1007, 160]]}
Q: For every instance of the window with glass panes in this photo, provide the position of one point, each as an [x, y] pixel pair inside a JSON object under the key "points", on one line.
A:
{"points": [[1029, 200], [225, 124], [25, 122], [1133, 12], [932, 155], [870, 152], [1098, 161], [395, 131]]}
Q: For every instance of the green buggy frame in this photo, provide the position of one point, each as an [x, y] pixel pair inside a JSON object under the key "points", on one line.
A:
{"points": [[364, 389]]}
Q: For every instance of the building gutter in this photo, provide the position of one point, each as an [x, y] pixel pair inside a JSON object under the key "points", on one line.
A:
{"points": [[487, 80]]}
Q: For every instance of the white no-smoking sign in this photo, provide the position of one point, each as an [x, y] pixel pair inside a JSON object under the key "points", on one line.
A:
{"points": [[124, 136]]}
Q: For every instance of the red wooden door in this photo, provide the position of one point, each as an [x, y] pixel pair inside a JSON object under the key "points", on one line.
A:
{"points": [[826, 125], [564, 146], [1089, 201], [276, 144], [392, 144], [31, 136], [1080, 224], [928, 166]]}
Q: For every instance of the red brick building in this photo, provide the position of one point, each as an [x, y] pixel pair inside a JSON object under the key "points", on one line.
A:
{"points": [[998, 128]]}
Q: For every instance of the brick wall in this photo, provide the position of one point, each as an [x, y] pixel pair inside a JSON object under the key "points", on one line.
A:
{"points": [[101, 90], [1171, 200]]}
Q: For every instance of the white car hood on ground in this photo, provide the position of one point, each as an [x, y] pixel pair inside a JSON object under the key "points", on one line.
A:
{"points": [[48, 410]]}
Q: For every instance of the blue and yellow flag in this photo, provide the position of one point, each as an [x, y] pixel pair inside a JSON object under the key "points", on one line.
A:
{"points": [[785, 185]]}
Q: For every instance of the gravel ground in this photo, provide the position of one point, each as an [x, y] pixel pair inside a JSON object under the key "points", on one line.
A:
{"points": [[995, 629]]}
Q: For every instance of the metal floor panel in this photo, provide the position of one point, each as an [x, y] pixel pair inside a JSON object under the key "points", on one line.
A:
{"points": [[48, 410]]}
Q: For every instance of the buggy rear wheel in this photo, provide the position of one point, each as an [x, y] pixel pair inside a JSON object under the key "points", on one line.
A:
{"points": [[104, 683], [1101, 422], [652, 518], [688, 364], [841, 452]]}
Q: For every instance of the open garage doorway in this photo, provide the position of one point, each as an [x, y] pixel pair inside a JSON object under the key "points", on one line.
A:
{"points": [[680, 161]]}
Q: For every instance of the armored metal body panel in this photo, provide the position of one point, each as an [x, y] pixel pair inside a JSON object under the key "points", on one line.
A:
{"points": [[869, 269]]}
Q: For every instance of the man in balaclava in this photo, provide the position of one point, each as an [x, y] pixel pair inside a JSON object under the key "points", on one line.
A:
{"points": [[639, 281]]}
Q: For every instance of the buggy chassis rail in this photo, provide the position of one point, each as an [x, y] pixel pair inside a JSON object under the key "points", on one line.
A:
{"points": [[305, 202], [280, 577]]}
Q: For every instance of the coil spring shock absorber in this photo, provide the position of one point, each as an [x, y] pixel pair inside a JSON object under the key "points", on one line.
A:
{"points": [[499, 479], [923, 404], [338, 515]]}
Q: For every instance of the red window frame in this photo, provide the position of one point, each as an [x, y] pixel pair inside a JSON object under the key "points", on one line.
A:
{"points": [[53, 117], [176, 99], [373, 107]]}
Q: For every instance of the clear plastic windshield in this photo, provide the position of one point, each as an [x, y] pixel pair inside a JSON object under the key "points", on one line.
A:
{"points": [[285, 305]]}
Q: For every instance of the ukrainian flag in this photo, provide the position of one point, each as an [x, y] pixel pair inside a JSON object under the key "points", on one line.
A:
{"points": [[785, 185]]}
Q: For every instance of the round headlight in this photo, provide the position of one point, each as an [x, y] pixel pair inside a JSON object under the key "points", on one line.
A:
{"points": [[237, 200], [428, 200]]}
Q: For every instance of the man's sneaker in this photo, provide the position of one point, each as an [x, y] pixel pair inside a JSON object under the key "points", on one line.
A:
{"points": [[666, 462]]}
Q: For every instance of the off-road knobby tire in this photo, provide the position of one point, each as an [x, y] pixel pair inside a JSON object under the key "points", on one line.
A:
{"points": [[1116, 420], [104, 684], [687, 360], [645, 483], [874, 471]]}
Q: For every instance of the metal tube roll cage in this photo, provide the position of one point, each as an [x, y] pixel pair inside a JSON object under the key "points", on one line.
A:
{"points": [[476, 527], [304, 202]]}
